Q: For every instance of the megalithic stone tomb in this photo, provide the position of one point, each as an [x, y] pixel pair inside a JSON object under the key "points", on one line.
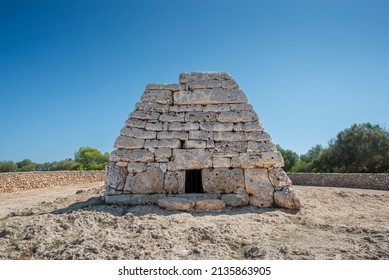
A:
{"points": [[196, 146]]}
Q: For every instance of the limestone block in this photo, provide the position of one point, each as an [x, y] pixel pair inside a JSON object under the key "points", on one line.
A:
{"points": [[238, 198], [135, 123], [125, 142], [258, 160], [210, 144], [140, 155], [217, 108], [134, 199], [243, 107], [203, 84], [135, 167], [161, 96], [248, 116], [176, 203], [257, 136], [209, 96], [191, 159], [182, 135], [207, 205], [172, 117], [185, 108], [222, 180], [229, 117], [230, 136], [203, 76], [279, 178], [228, 146], [201, 117], [149, 181], [138, 133], [256, 147], [154, 126], [183, 126], [116, 176], [249, 127], [163, 154], [152, 107], [165, 143], [163, 167], [221, 162], [286, 198], [258, 185], [230, 84], [110, 192], [144, 115], [225, 154], [174, 182], [200, 135], [121, 163], [171, 87], [195, 144], [216, 126]]}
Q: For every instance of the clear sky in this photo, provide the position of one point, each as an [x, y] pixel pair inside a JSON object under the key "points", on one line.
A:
{"points": [[72, 71]]}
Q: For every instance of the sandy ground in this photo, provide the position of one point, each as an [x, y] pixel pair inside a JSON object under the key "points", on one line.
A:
{"points": [[72, 222]]}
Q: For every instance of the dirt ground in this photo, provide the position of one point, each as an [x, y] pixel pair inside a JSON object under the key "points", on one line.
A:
{"points": [[72, 222]]}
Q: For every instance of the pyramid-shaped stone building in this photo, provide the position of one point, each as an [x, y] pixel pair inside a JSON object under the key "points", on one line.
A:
{"points": [[197, 145]]}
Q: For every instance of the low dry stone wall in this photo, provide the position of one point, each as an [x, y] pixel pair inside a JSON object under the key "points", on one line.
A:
{"points": [[40, 179], [379, 181]]}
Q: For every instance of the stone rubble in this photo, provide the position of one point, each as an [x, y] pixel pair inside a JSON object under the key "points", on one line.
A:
{"points": [[203, 123]]}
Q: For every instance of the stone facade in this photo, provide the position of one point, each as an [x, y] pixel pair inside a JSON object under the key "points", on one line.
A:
{"points": [[203, 123]]}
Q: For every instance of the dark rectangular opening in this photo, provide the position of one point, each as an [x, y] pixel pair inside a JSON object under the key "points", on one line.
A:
{"points": [[193, 183]]}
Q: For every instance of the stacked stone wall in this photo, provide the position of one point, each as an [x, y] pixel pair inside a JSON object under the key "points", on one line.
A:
{"points": [[14, 181], [378, 181]]}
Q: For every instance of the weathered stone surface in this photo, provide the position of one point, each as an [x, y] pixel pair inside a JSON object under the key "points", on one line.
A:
{"points": [[200, 135], [135, 123], [221, 162], [174, 182], [134, 199], [171, 87], [116, 176], [222, 180], [185, 108], [258, 160], [216, 126], [238, 198], [163, 154], [243, 107], [203, 76], [154, 126], [182, 135], [230, 84], [203, 84], [176, 203], [161, 96], [191, 159], [109, 191], [248, 116], [121, 163], [257, 147], [125, 142], [217, 108], [227, 155], [230, 136], [227, 146], [132, 156], [144, 115], [149, 181], [201, 117], [248, 127], [135, 167], [152, 107], [209, 96], [195, 144], [138, 133], [279, 178], [233, 117], [286, 198], [172, 117], [163, 166], [165, 143], [257, 136], [258, 185], [207, 205], [183, 126]]}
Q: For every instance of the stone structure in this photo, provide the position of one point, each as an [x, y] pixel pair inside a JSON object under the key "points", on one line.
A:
{"points": [[197, 145]]}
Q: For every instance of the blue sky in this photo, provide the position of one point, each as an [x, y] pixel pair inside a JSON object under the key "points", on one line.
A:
{"points": [[72, 71]]}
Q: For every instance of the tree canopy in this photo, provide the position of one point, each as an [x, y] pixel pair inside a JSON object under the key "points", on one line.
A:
{"points": [[89, 158]]}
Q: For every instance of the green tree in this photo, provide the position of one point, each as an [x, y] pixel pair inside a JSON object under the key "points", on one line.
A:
{"points": [[8, 166], [290, 158], [26, 165], [309, 161], [89, 158]]}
